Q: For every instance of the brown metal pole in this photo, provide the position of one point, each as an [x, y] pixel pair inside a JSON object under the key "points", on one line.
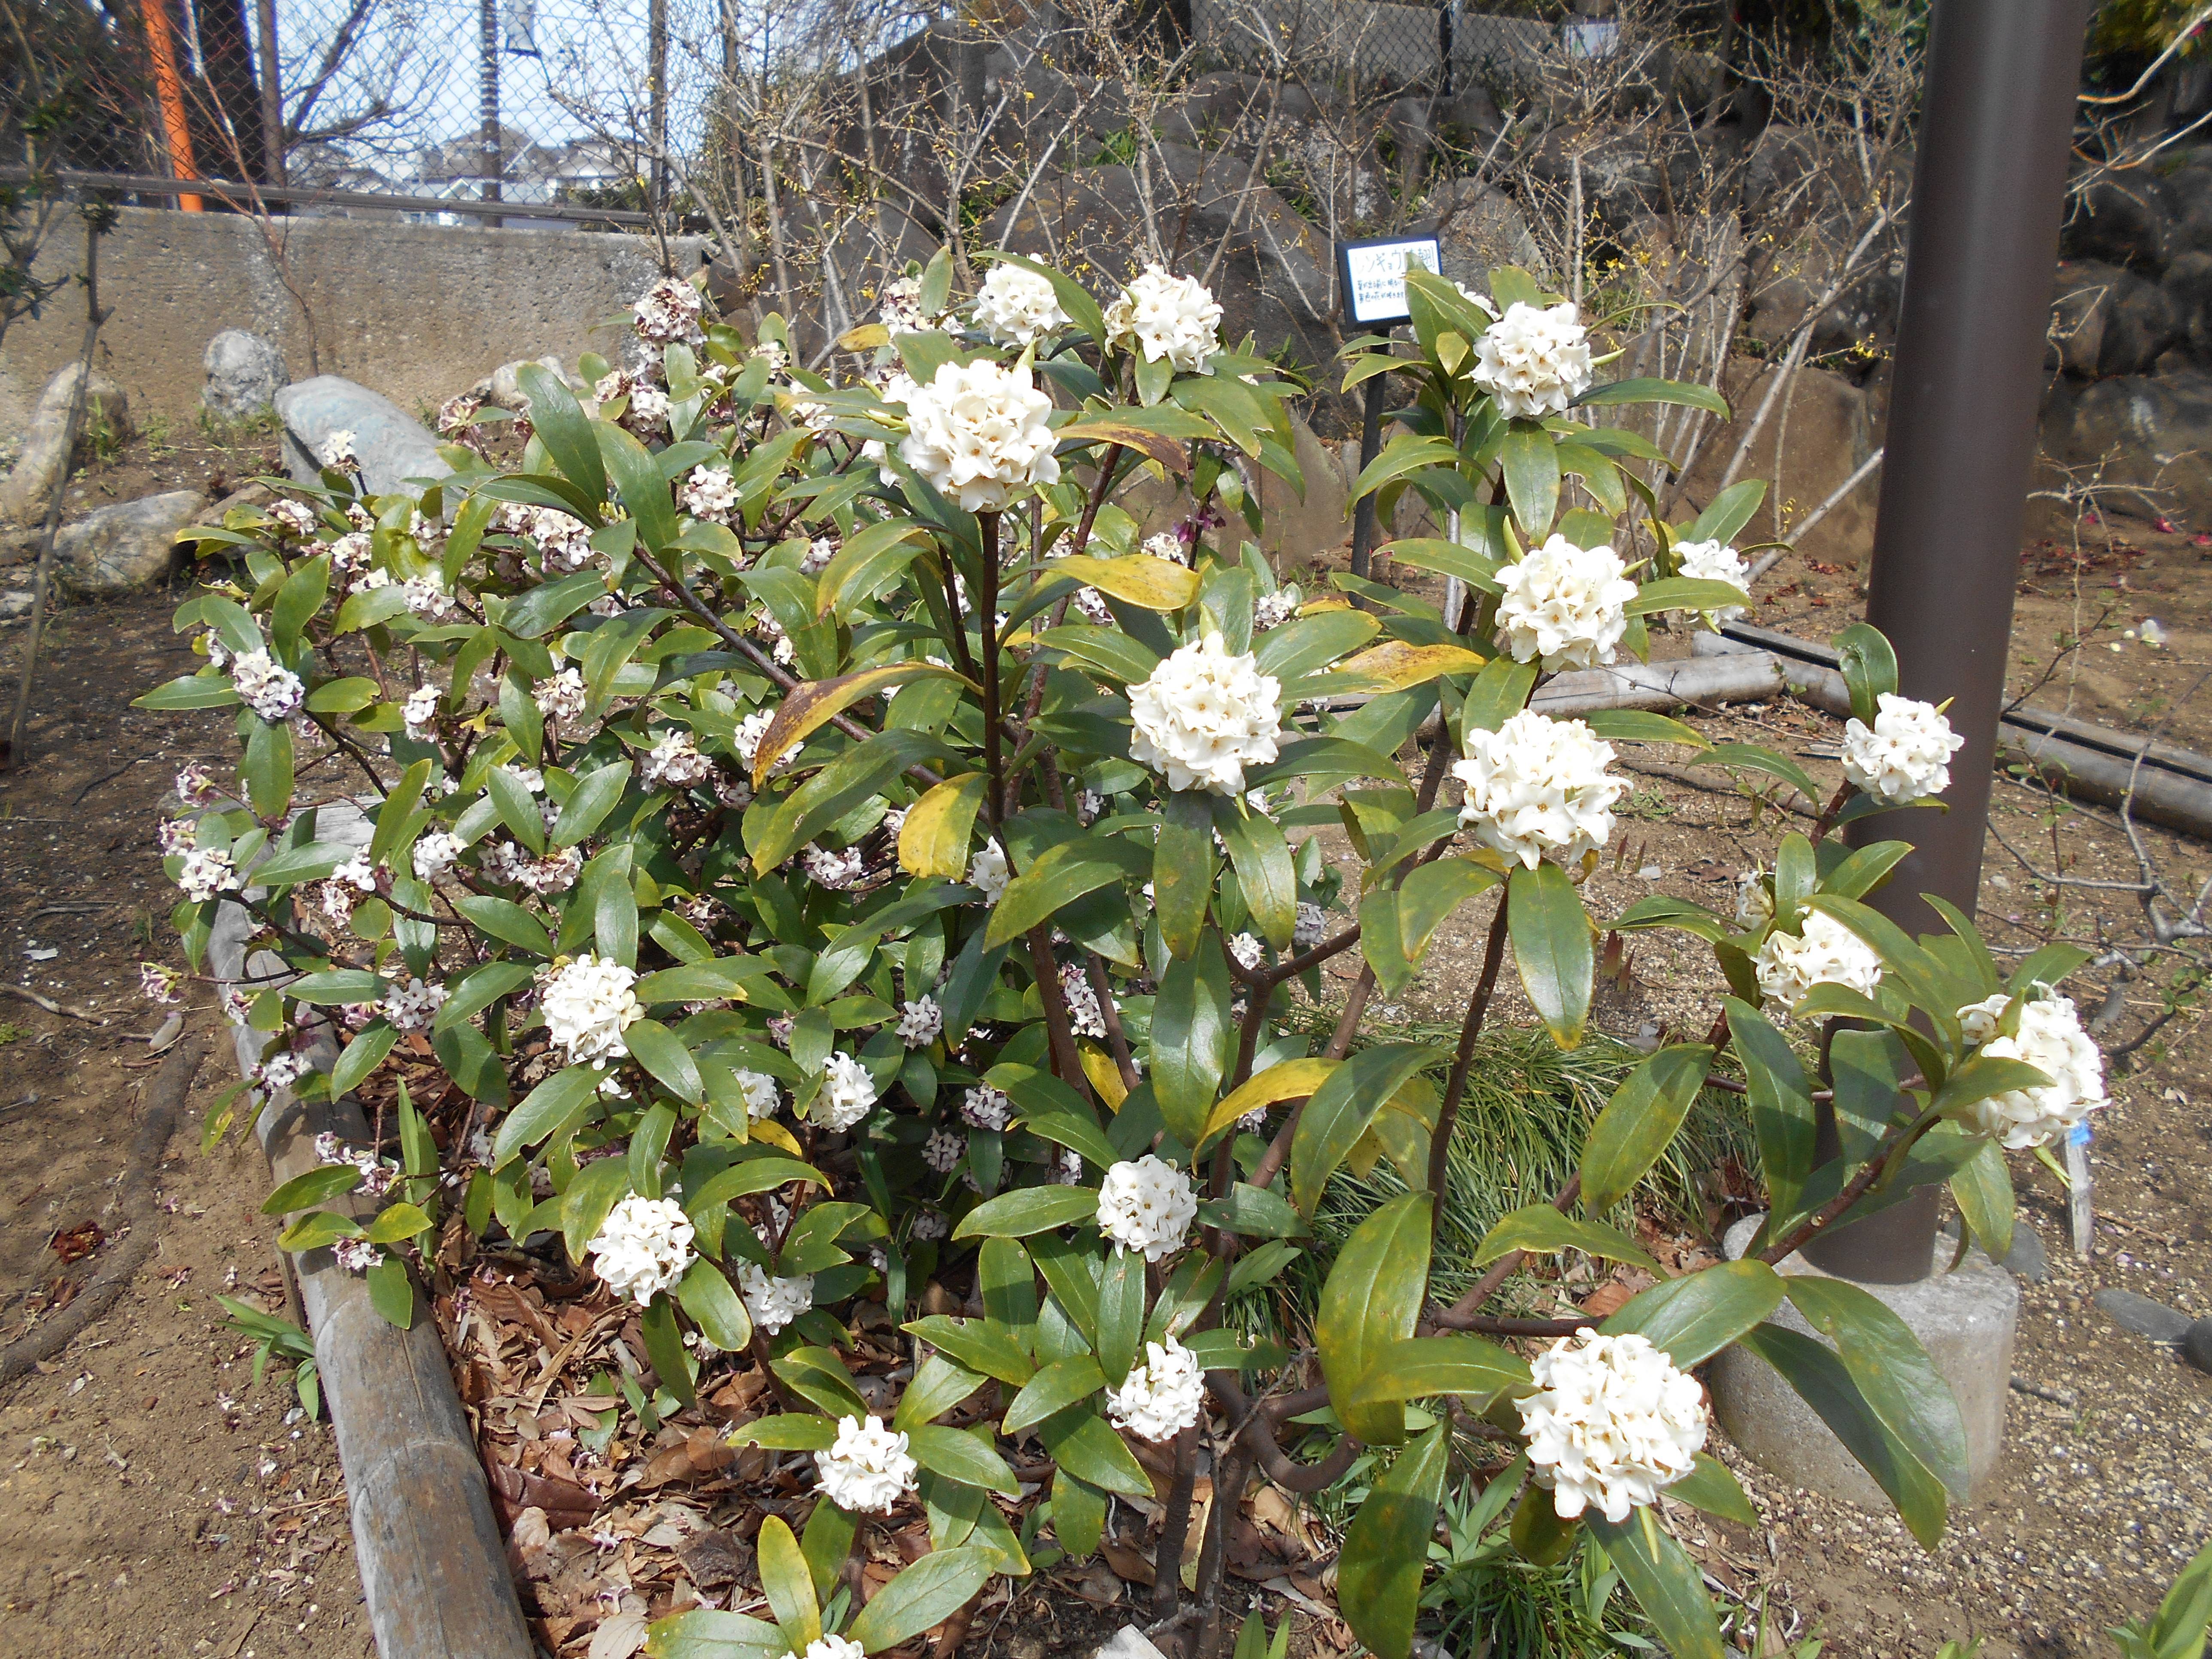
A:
{"points": [[272, 95], [1996, 114]]}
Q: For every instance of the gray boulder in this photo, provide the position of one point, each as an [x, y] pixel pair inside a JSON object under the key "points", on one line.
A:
{"points": [[395, 450], [2152, 432], [43, 461], [245, 373], [125, 549], [503, 386], [1479, 228], [2188, 286], [2107, 321], [2122, 220]]}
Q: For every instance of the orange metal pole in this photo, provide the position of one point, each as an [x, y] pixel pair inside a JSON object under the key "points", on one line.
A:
{"points": [[171, 90]]}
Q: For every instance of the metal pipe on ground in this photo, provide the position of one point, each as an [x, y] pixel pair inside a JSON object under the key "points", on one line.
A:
{"points": [[433, 1569], [2170, 786]]}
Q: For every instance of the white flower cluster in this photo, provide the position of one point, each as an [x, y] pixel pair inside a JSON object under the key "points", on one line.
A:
{"points": [[1146, 1205], [2051, 1039], [645, 405], [943, 1150], [586, 1003], [820, 553], [773, 1302], [761, 1098], [900, 308], [505, 862], [1312, 927], [435, 853], [675, 762], [643, 1247], [561, 697], [835, 868], [1905, 756], [1613, 1421], [709, 493], [160, 984], [1169, 317], [1016, 307], [987, 873], [1533, 360], [978, 431], [207, 871], [1247, 951], [420, 709], [1562, 605], [985, 1107], [270, 691], [1274, 610], [827, 1646], [1203, 716], [1538, 786], [1714, 562], [1084, 1016], [747, 740], [336, 450], [667, 311], [427, 596], [564, 542], [920, 1022], [847, 1093], [1162, 1397], [355, 1256], [412, 1006], [868, 1468], [1826, 953]]}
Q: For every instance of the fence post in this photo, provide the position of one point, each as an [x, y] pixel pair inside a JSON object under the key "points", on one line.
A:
{"points": [[272, 94], [488, 135], [171, 91]]}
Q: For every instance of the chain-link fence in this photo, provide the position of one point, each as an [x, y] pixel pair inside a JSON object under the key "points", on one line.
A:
{"points": [[601, 103]]}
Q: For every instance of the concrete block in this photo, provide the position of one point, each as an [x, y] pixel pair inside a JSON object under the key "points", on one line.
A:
{"points": [[1965, 1321]]}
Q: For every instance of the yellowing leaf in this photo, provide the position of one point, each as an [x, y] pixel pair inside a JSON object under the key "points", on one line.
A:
{"points": [[1105, 1076], [816, 702], [1137, 577], [1287, 1081], [1400, 666], [777, 1135], [866, 337], [935, 840]]}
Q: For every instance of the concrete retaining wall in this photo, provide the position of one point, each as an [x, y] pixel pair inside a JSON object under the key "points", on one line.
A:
{"points": [[419, 311]]}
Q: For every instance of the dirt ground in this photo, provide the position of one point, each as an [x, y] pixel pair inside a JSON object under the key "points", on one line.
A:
{"points": [[154, 1499]]}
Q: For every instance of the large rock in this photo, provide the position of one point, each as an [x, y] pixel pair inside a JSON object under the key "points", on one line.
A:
{"points": [[2107, 321], [2155, 433], [128, 547], [1805, 452], [2188, 285], [2124, 218], [245, 373], [1479, 228], [395, 450], [44, 459], [1275, 282], [503, 386]]}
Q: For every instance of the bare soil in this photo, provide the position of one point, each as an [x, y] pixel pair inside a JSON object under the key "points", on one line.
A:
{"points": [[156, 1500]]}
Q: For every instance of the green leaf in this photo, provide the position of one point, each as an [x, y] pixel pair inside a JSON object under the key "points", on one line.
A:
{"points": [[1078, 1515], [959, 1456], [1666, 1584], [1654, 391], [1057, 877], [1781, 1098], [1531, 463], [594, 797], [507, 921], [391, 1293], [1869, 668], [937, 1387], [1640, 1122], [1552, 947], [590, 1197], [1082, 1444], [1423, 1367], [786, 1582], [869, 558], [703, 1633], [923, 1595], [637, 479], [1027, 1211], [1693, 1317], [787, 1431], [1540, 1230], [191, 692], [1340, 1110], [1121, 1314], [1064, 1383], [1386, 1549], [1371, 1300], [1193, 1038], [543, 608], [1403, 455], [1983, 1187], [1712, 1488], [544, 1109], [563, 428], [1824, 1383], [361, 1057], [716, 1307], [1641, 726], [1899, 1381], [1182, 870], [827, 1544], [980, 1345], [316, 1229], [1265, 876], [397, 1223], [304, 1191], [662, 1053], [1684, 594]]}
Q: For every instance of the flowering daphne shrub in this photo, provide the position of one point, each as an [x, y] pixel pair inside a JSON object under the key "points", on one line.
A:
{"points": [[830, 852]]}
